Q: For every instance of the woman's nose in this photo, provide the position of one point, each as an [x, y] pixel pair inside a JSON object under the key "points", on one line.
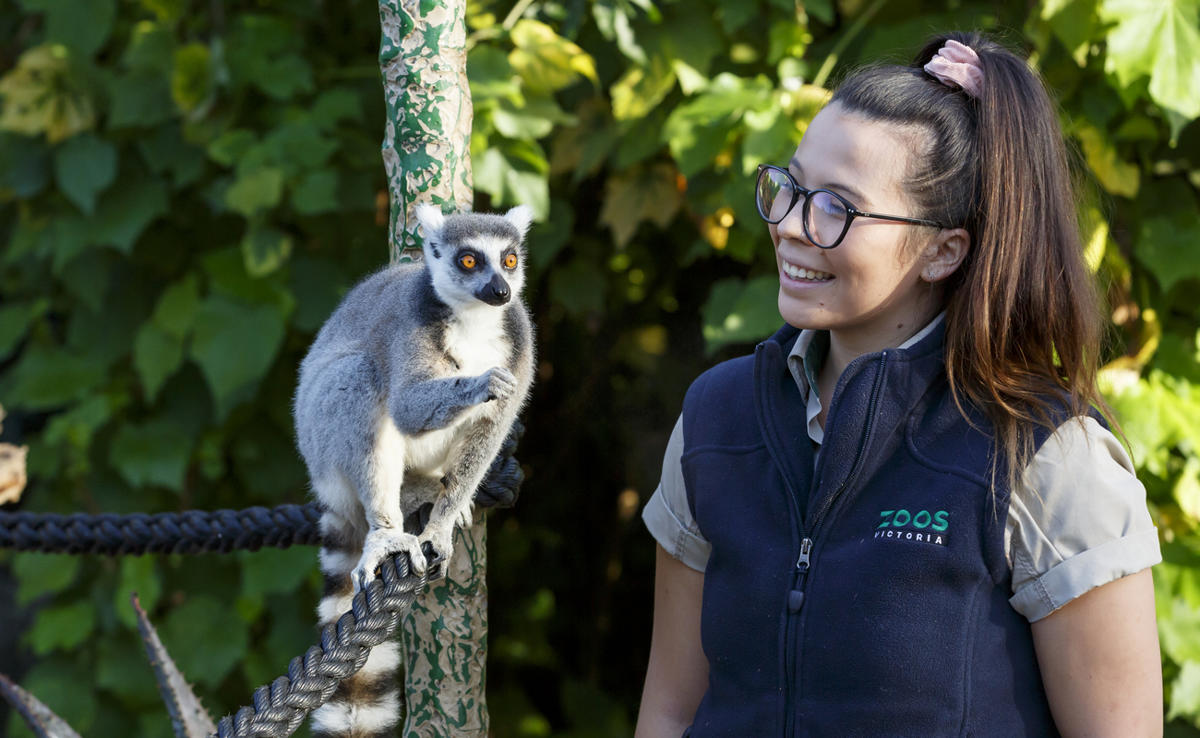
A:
{"points": [[791, 228]]}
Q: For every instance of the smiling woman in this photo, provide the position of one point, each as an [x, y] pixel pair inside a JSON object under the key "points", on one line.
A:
{"points": [[905, 513]]}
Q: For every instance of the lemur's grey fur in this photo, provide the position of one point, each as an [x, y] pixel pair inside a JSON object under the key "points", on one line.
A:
{"points": [[405, 397]]}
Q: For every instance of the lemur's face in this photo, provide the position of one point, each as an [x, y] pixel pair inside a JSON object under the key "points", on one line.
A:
{"points": [[476, 258]]}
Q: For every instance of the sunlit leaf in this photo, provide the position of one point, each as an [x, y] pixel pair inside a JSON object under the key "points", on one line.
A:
{"points": [[741, 312], [191, 77], [256, 190], [545, 60], [1185, 692], [641, 88], [1159, 39], [264, 249]]}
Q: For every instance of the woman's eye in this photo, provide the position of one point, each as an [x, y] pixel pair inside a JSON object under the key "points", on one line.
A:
{"points": [[467, 261], [510, 261]]}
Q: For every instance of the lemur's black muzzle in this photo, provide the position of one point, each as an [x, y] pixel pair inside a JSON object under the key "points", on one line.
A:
{"points": [[495, 292]]}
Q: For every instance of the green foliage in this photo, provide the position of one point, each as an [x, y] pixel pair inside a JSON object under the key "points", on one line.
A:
{"points": [[184, 197]]}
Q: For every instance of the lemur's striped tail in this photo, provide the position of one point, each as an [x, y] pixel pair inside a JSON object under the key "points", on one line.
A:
{"points": [[367, 705]]}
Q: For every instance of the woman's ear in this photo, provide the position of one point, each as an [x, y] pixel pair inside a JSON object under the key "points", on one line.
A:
{"points": [[945, 253]]}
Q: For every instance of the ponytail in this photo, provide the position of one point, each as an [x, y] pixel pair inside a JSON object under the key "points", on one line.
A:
{"points": [[1023, 317]]}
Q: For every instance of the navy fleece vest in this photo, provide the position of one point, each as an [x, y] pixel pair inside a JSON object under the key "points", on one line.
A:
{"points": [[881, 610]]}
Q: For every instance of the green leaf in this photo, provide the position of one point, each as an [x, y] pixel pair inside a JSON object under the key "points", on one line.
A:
{"points": [[545, 60], [176, 308], [38, 574], [231, 146], [1159, 39], [157, 355], [151, 47], [24, 167], [256, 190], [316, 192], [126, 211], [741, 311], [191, 77], [83, 25], [1074, 22], [259, 54], [641, 194], [515, 174], [152, 453], [164, 150], [1167, 246], [273, 570], [1185, 692], [83, 167], [536, 118], [336, 105], [15, 319], [140, 98], [64, 627], [234, 344], [46, 378], [265, 249], [206, 639], [55, 681]]}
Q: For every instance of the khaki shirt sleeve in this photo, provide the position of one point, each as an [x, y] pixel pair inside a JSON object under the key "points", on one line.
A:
{"points": [[1077, 521], [667, 515]]}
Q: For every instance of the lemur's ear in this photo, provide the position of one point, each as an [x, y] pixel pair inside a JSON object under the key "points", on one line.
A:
{"points": [[431, 219], [520, 216]]}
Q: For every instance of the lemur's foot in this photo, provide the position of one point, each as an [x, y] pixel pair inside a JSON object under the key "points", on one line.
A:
{"points": [[440, 535], [381, 543]]}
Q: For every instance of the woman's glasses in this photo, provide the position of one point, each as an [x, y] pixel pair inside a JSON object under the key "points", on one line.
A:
{"points": [[826, 215]]}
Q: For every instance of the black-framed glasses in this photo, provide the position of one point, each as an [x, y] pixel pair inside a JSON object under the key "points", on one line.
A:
{"points": [[826, 215]]}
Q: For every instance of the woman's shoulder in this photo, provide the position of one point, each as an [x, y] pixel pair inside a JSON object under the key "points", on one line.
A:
{"points": [[1078, 519]]}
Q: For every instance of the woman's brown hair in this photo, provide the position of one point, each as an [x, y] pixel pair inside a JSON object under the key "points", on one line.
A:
{"points": [[1023, 317]]}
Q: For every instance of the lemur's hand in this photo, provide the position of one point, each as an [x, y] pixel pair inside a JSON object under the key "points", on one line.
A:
{"points": [[497, 383]]}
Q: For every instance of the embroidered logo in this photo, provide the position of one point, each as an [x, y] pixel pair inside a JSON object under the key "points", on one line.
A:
{"points": [[922, 526]]}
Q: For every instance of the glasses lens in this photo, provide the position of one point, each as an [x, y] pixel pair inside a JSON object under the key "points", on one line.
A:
{"points": [[773, 195], [825, 218]]}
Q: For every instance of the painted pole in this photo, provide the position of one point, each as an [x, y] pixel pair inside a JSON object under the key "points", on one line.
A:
{"points": [[426, 154]]}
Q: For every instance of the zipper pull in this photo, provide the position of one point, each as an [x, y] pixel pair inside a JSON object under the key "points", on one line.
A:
{"points": [[805, 550]]}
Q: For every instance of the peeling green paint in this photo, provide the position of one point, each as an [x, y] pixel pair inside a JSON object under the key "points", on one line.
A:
{"points": [[426, 156]]}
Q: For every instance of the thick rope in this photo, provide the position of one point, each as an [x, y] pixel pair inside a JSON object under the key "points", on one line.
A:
{"points": [[219, 531], [281, 706]]}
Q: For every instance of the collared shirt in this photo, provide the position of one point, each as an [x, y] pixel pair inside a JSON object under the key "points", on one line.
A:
{"points": [[1076, 520]]}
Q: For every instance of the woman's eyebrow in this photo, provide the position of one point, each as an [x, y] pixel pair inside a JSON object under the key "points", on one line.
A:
{"points": [[850, 191]]}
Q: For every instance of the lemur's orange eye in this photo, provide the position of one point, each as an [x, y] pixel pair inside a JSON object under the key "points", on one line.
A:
{"points": [[510, 260], [467, 261]]}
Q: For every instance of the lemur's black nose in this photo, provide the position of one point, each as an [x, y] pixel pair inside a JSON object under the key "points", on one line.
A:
{"points": [[495, 292]]}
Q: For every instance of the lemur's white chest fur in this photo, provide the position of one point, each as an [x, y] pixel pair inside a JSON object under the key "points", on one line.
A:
{"points": [[476, 342]]}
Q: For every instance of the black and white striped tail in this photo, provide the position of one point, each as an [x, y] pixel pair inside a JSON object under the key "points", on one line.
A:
{"points": [[367, 705]]}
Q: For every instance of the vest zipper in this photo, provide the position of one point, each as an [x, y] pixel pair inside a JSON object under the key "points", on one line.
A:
{"points": [[804, 562]]}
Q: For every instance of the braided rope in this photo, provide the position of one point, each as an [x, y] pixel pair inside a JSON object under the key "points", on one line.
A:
{"points": [[279, 707], [217, 531], [190, 531]]}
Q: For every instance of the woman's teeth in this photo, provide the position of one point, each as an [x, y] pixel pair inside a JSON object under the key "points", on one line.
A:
{"points": [[796, 272]]}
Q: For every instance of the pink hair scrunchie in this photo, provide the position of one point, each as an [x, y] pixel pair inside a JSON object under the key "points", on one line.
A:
{"points": [[957, 65]]}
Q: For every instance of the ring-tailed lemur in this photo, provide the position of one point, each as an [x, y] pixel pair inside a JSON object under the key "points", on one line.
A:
{"points": [[405, 397]]}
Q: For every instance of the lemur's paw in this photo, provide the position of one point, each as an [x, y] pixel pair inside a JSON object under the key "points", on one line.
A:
{"points": [[381, 543], [500, 383], [441, 538]]}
